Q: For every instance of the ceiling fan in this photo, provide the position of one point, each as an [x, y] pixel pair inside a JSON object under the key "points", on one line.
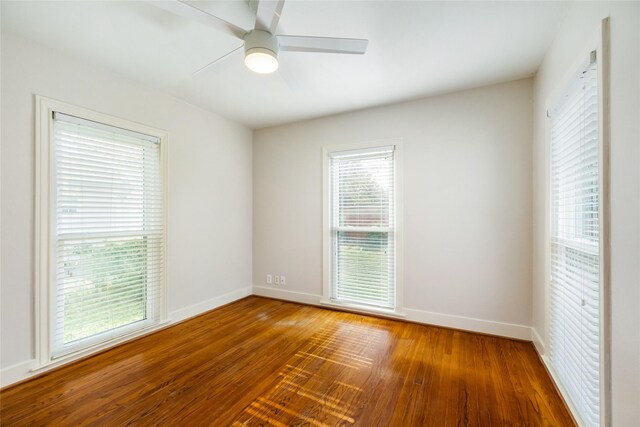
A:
{"points": [[261, 44]]}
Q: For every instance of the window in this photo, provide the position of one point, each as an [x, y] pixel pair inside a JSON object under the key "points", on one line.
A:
{"points": [[105, 220], [575, 239], [361, 221]]}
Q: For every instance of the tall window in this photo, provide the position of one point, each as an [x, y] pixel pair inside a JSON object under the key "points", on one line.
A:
{"points": [[106, 224], [574, 332], [363, 258]]}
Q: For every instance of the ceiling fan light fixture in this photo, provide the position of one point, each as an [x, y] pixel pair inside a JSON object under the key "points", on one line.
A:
{"points": [[261, 60], [261, 51]]}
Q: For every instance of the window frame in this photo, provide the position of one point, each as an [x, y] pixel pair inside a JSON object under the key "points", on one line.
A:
{"points": [[327, 235], [599, 44], [45, 230]]}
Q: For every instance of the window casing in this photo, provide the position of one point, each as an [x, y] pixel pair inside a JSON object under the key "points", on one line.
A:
{"points": [[101, 230], [361, 247]]}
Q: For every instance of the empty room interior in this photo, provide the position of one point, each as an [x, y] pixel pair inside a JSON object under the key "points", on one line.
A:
{"points": [[320, 213]]}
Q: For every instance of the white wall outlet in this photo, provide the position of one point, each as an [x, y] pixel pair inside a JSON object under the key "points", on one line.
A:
{"points": [[283, 280], [269, 279], [277, 280]]}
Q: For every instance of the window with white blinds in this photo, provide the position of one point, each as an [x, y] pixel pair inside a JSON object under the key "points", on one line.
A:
{"points": [[574, 330], [363, 226], [107, 226]]}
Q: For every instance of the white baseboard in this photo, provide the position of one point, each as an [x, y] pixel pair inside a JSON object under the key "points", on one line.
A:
{"points": [[204, 306], [18, 372], [538, 342], [556, 381], [293, 296], [508, 330], [491, 327], [23, 370]]}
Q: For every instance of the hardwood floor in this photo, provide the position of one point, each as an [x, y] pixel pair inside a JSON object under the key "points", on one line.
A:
{"points": [[265, 362]]}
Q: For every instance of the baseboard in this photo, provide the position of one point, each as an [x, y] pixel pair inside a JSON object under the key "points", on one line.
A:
{"points": [[292, 296], [204, 306], [538, 342], [564, 395], [24, 370], [15, 373], [490, 327], [509, 330]]}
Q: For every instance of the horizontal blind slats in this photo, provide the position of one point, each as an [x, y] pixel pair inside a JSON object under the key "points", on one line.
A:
{"points": [[574, 345], [109, 230], [363, 223]]}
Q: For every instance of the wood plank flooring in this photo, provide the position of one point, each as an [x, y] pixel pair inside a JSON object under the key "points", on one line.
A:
{"points": [[266, 362]]}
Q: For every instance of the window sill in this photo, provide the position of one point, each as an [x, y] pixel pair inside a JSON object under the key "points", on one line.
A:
{"points": [[365, 309], [98, 348]]}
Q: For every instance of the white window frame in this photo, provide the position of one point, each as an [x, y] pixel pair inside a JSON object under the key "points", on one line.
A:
{"points": [[600, 45], [44, 229], [327, 238]]}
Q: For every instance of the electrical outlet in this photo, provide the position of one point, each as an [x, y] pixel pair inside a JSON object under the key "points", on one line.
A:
{"points": [[282, 280], [269, 279], [277, 280]]}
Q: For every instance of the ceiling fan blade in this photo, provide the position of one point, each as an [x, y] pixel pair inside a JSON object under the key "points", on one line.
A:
{"points": [[322, 44], [268, 14], [290, 77], [215, 61], [191, 12]]}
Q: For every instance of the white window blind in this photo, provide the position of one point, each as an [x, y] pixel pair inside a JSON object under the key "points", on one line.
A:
{"points": [[575, 245], [108, 233], [363, 226]]}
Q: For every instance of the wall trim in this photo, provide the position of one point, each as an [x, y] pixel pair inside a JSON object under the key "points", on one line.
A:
{"points": [[45, 221], [16, 373], [294, 296], [327, 227], [208, 305], [25, 370], [600, 42], [562, 392], [538, 342], [508, 330], [490, 327]]}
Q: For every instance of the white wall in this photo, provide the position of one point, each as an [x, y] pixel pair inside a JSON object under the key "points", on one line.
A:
{"points": [[210, 188], [580, 25], [467, 196]]}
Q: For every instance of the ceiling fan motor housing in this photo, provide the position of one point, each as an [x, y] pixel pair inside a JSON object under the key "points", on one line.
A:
{"points": [[260, 41]]}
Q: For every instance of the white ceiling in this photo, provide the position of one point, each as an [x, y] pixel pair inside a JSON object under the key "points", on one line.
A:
{"points": [[415, 49]]}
